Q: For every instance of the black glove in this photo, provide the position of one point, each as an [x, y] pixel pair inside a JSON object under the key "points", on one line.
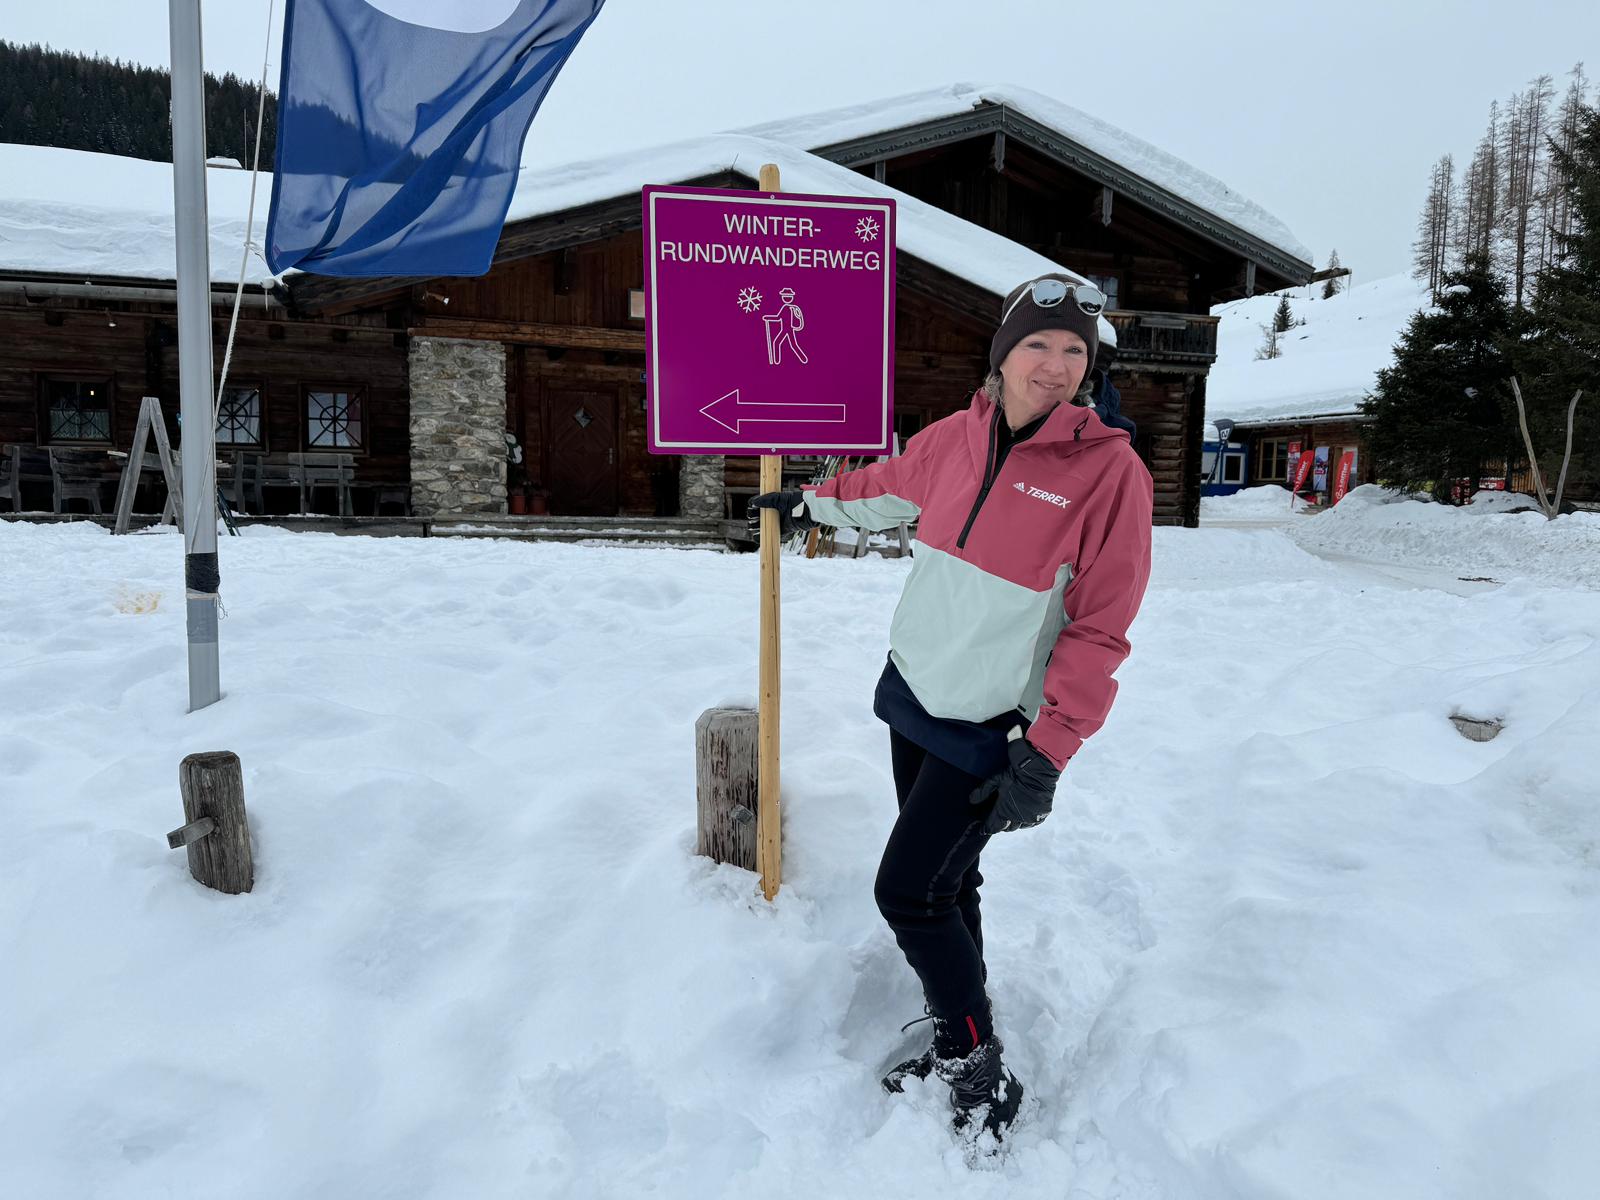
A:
{"points": [[792, 515], [1023, 792]]}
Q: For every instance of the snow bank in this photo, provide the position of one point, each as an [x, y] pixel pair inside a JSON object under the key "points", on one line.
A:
{"points": [[1499, 535], [1328, 364], [1268, 502], [1288, 934]]}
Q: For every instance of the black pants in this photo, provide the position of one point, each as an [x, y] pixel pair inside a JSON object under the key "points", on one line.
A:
{"points": [[927, 886]]}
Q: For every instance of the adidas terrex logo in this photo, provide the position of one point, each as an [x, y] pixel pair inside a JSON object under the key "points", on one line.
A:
{"points": [[1041, 494]]}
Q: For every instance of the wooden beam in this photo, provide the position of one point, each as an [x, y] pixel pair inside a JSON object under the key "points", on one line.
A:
{"points": [[1194, 396], [880, 170], [573, 337]]}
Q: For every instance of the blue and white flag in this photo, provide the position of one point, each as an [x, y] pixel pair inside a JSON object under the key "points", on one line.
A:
{"points": [[400, 128]]}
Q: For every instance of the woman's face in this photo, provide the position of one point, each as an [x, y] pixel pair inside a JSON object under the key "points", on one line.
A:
{"points": [[1042, 370]]}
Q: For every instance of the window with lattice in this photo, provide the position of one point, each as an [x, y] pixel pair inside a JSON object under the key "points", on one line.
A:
{"points": [[335, 419], [239, 417], [76, 410]]}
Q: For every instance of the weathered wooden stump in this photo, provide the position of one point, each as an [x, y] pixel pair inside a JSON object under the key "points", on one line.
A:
{"points": [[726, 758], [217, 833]]}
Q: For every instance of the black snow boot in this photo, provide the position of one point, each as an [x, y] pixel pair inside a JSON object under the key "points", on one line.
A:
{"points": [[984, 1094], [919, 1067], [949, 1038]]}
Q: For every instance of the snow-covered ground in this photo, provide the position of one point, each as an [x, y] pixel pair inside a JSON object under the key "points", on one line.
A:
{"points": [[1327, 364], [1500, 536], [1287, 935]]}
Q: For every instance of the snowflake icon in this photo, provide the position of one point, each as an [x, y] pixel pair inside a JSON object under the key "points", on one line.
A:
{"points": [[867, 229], [749, 299]]}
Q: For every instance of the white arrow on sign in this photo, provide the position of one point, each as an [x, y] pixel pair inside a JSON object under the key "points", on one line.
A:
{"points": [[731, 412]]}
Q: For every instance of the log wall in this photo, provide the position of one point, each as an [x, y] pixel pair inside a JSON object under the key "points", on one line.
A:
{"points": [[136, 353]]}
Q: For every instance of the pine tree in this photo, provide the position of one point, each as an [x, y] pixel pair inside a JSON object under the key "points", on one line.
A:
{"points": [[1563, 147], [50, 98], [1271, 338], [1559, 350], [1283, 317], [1443, 410], [1335, 283]]}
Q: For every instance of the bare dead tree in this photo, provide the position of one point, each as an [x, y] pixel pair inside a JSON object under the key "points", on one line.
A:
{"points": [[1270, 348], [1551, 508], [1523, 154], [1434, 226]]}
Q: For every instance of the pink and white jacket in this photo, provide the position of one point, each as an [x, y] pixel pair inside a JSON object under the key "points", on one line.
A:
{"points": [[1025, 579]]}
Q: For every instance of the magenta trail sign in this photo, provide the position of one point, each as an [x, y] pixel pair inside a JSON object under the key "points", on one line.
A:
{"points": [[769, 322]]}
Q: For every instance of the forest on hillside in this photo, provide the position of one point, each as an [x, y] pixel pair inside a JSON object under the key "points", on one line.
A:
{"points": [[52, 98]]}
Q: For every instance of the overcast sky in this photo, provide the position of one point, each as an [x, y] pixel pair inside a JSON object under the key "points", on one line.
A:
{"points": [[1329, 118]]}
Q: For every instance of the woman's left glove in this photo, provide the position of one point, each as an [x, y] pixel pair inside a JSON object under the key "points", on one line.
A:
{"points": [[792, 515], [1023, 792]]}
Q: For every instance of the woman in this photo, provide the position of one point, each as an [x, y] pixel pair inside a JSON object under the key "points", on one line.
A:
{"points": [[1033, 553]]}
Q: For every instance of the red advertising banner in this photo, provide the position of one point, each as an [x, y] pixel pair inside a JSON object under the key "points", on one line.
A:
{"points": [[1341, 481], [1300, 474]]}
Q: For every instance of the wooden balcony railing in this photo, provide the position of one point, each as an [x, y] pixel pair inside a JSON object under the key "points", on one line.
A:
{"points": [[1162, 337]]}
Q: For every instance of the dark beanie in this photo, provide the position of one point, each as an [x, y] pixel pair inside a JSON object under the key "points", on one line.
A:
{"points": [[1027, 317]]}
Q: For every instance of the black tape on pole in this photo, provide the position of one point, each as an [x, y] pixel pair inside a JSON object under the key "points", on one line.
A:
{"points": [[200, 574]]}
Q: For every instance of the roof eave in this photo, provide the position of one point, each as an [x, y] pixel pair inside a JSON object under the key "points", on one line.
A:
{"points": [[1342, 418]]}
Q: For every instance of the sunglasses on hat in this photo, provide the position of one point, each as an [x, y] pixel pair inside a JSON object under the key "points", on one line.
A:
{"points": [[1047, 293]]}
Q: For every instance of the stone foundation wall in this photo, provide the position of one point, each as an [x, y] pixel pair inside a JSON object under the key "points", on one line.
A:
{"points": [[700, 486], [458, 423]]}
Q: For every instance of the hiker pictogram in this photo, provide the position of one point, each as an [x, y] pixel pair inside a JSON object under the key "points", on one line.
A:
{"points": [[781, 327]]}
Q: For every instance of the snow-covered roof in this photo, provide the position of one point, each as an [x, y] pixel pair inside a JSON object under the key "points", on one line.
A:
{"points": [[967, 251], [70, 212], [74, 213], [1134, 155], [1326, 367]]}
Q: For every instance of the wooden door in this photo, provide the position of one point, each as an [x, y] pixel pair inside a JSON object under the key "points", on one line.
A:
{"points": [[581, 444]]}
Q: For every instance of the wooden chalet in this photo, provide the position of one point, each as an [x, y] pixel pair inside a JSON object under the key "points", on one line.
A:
{"points": [[1164, 244], [418, 381]]}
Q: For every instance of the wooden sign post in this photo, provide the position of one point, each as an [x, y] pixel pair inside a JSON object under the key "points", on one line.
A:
{"points": [[769, 815], [734, 366]]}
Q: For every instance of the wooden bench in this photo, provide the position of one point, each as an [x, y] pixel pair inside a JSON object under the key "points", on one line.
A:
{"points": [[79, 475], [310, 471]]}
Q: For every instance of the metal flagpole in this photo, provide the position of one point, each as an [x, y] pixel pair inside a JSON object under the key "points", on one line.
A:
{"points": [[194, 350]]}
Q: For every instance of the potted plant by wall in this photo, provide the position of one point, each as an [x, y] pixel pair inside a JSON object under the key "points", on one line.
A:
{"points": [[538, 501]]}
